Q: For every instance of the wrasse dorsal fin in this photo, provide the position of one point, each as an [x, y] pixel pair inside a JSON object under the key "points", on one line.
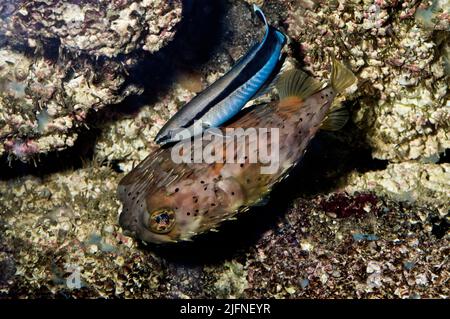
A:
{"points": [[336, 118], [341, 77], [296, 83]]}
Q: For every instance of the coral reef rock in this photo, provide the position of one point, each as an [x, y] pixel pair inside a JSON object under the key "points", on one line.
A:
{"points": [[403, 85], [429, 184], [44, 102], [57, 65], [106, 28]]}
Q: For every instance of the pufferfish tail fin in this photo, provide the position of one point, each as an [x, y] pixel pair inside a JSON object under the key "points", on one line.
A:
{"points": [[297, 85], [336, 118], [341, 77]]}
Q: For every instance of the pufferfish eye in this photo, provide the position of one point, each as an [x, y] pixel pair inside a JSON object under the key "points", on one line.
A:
{"points": [[162, 220]]}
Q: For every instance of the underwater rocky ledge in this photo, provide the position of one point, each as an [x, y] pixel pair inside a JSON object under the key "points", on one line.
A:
{"points": [[86, 85]]}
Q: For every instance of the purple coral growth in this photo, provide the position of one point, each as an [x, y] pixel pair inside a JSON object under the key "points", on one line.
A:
{"points": [[344, 205], [22, 149]]}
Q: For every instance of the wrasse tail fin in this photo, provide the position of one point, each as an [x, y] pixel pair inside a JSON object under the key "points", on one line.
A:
{"points": [[261, 15], [341, 76], [297, 84], [336, 118]]}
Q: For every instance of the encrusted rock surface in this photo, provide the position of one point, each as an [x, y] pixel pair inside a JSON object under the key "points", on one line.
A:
{"points": [[403, 83], [58, 65], [98, 28], [428, 184], [44, 102]]}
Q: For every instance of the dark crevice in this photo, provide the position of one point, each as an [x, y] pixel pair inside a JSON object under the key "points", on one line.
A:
{"points": [[444, 157], [440, 227], [114, 164], [56, 161]]}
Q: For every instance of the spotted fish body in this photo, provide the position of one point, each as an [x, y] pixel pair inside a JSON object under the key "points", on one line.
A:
{"points": [[167, 202]]}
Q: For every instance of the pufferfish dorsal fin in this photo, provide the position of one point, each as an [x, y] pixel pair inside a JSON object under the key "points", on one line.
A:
{"points": [[336, 118], [341, 77], [297, 84]]}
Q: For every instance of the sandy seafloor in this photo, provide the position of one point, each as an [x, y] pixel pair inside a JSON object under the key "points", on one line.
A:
{"points": [[85, 88]]}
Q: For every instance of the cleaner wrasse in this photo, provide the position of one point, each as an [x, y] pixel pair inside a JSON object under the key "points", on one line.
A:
{"points": [[227, 96]]}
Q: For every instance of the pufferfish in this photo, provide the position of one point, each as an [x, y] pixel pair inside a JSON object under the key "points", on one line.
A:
{"points": [[165, 201]]}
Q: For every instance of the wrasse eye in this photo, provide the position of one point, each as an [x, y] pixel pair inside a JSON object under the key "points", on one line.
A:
{"points": [[162, 220]]}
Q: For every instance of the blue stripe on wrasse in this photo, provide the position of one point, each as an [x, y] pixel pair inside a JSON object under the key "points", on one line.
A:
{"points": [[223, 112]]}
